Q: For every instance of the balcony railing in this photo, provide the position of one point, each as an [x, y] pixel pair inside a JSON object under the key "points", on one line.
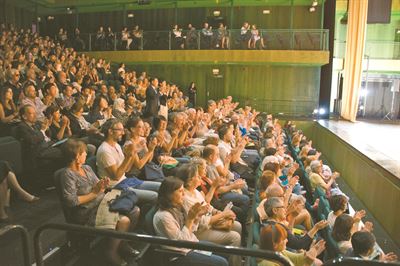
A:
{"points": [[373, 49], [268, 39]]}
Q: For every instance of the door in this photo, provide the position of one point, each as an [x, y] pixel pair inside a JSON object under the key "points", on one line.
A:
{"points": [[214, 87]]}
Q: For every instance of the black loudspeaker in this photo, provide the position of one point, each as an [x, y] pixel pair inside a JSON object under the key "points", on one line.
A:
{"points": [[340, 86], [144, 2], [379, 11], [214, 21]]}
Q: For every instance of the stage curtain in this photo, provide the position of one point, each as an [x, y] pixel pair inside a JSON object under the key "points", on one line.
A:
{"points": [[356, 30]]}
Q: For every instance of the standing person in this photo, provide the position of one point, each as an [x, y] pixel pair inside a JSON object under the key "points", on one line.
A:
{"points": [[152, 100], [192, 91]]}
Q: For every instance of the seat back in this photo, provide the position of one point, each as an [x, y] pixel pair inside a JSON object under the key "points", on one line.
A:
{"points": [[10, 151], [148, 227], [57, 182], [91, 161]]}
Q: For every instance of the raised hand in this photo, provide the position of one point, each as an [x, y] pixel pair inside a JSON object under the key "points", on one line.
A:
{"points": [[129, 150], [316, 248], [321, 224], [359, 215], [390, 257]]}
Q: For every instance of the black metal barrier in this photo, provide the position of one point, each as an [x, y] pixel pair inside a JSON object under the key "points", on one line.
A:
{"points": [[152, 240], [24, 236], [358, 262]]}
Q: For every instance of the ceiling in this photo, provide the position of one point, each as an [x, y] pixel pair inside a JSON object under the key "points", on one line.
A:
{"points": [[60, 6]]}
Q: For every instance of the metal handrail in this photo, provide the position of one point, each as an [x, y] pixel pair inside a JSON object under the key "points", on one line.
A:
{"points": [[24, 236], [347, 261], [275, 39], [264, 254]]}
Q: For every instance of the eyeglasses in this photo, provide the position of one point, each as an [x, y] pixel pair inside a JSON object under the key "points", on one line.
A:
{"points": [[118, 129]]}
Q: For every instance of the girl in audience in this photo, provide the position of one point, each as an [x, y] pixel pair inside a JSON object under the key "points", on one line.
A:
{"points": [[83, 193], [9, 180], [143, 153], [100, 111], [8, 111], [59, 128], [216, 227], [173, 222], [274, 237], [165, 140]]}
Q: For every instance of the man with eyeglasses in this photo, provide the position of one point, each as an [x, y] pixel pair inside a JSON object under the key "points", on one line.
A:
{"points": [[276, 211], [113, 162]]}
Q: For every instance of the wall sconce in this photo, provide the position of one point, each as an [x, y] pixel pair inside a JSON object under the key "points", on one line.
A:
{"points": [[215, 71], [216, 13], [266, 11]]}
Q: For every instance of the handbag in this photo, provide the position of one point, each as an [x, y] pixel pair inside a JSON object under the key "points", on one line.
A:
{"points": [[124, 203], [225, 224], [153, 172]]}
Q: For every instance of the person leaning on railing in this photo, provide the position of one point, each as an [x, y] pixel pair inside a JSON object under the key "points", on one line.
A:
{"points": [[171, 221], [273, 237]]}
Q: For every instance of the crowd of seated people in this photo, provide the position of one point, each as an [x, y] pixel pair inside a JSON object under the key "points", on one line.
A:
{"points": [[105, 39], [289, 219], [119, 156]]}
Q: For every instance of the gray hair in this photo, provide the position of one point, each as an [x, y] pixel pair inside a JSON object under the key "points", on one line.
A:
{"points": [[271, 203]]}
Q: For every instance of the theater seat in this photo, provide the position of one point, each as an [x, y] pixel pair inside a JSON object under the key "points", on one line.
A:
{"points": [[10, 150]]}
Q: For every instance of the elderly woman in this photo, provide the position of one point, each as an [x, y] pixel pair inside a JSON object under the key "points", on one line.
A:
{"points": [[83, 193], [208, 230], [274, 238], [8, 180], [317, 178], [119, 111], [172, 221]]}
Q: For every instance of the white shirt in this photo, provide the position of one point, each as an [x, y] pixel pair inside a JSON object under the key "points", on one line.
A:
{"points": [[107, 156]]}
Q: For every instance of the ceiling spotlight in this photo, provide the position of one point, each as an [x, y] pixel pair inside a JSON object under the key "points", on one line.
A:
{"points": [[315, 111], [321, 111], [266, 11], [131, 15], [398, 31], [50, 18], [314, 3], [216, 13], [311, 9]]}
